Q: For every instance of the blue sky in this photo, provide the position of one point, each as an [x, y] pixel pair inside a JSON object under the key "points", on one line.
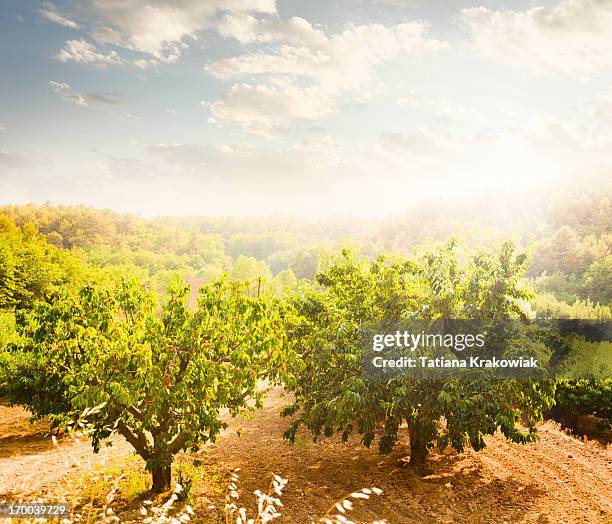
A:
{"points": [[255, 107]]}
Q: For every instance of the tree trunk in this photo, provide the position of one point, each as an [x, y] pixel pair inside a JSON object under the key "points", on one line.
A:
{"points": [[418, 448], [161, 479]]}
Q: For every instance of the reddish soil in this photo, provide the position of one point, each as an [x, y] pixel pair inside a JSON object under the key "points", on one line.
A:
{"points": [[559, 479]]}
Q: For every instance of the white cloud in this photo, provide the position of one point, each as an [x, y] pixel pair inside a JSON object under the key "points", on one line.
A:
{"points": [[599, 112], [344, 58], [99, 98], [248, 29], [374, 178], [244, 163], [264, 109], [420, 143], [145, 63], [574, 37], [442, 109], [49, 11], [82, 52], [106, 98], [67, 93], [158, 27], [305, 73], [12, 161]]}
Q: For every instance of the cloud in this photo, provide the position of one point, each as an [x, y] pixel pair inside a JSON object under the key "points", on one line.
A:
{"points": [[159, 28], [599, 113], [344, 58], [49, 12], [67, 93], [244, 163], [82, 52], [12, 161], [105, 97], [420, 142], [145, 63], [444, 110], [266, 108], [573, 37], [248, 29], [383, 175], [305, 74]]}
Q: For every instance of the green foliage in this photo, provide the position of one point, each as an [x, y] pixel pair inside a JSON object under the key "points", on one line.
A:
{"points": [[284, 283], [586, 384], [158, 380], [571, 270], [29, 379], [570, 245], [559, 286], [598, 281], [590, 360], [546, 305], [574, 398], [185, 479], [8, 329], [249, 269], [332, 392], [30, 267]]}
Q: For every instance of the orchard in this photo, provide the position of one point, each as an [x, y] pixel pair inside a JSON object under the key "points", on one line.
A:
{"points": [[157, 376]]}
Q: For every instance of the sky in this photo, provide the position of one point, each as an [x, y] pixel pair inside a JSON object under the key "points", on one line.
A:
{"points": [[307, 109]]}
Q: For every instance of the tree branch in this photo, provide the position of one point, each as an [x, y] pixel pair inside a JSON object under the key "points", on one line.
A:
{"points": [[138, 442], [177, 443]]}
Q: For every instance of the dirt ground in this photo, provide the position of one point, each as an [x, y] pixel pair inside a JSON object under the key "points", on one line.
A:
{"points": [[559, 479]]}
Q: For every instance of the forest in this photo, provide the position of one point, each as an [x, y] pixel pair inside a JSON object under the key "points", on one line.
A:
{"points": [[156, 342]]}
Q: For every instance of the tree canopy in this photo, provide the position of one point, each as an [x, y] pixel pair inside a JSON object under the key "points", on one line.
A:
{"points": [[160, 380], [334, 393]]}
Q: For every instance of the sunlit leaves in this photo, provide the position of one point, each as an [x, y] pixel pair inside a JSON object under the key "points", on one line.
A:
{"points": [[332, 390], [163, 374]]}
